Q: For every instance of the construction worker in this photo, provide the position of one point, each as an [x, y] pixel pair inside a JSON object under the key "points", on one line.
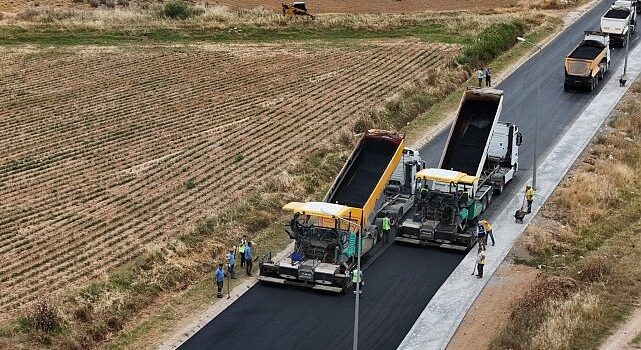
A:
{"points": [[480, 74], [357, 277], [241, 250], [529, 197], [481, 235], [231, 262], [488, 230], [248, 258], [480, 263], [488, 77], [220, 278], [385, 225]]}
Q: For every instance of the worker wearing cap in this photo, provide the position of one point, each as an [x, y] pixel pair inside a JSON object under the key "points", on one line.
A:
{"points": [[529, 197], [357, 277], [385, 225], [220, 278], [248, 258], [481, 235], [231, 262], [488, 230]]}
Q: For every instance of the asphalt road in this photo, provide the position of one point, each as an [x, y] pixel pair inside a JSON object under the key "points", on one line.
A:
{"points": [[402, 280]]}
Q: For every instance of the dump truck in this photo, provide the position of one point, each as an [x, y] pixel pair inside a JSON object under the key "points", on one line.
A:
{"points": [[620, 21], [480, 157], [587, 64], [377, 179]]}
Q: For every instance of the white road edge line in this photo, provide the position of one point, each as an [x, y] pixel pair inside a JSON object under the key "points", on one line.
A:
{"points": [[441, 317]]}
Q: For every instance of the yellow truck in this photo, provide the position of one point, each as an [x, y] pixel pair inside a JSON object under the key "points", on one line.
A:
{"points": [[587, 64], [327, 233]]}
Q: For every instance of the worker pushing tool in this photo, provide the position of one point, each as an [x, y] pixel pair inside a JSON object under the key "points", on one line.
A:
{"points": [[529, 197]]}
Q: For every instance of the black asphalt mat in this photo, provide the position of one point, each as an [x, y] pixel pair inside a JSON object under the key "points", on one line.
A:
{"points": [[398, 286]]}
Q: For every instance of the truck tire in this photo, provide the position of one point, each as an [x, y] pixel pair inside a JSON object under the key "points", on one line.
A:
{"points": [[566, 86], [499, 190], [592, 84]]}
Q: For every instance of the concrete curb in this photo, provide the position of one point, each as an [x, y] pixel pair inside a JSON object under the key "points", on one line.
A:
{"points": [[437, 323]]}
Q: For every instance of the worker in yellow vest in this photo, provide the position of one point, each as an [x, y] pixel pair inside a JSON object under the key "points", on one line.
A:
{"points": [[386, 226], [241, 250], [529, 197], [488, 230]]}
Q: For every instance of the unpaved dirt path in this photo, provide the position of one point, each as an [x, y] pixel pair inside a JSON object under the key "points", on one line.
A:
{"points": [[492, 308], [622, 338]]}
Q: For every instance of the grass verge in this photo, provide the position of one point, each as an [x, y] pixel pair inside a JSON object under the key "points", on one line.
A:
{"points": [[540, 28], [585, 239], [52, 26]]}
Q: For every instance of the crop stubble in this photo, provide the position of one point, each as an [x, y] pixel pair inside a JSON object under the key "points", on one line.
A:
{"points": [[97, 145]]}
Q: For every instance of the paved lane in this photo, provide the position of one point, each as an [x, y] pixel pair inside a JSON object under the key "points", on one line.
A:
{"points": [[400, 283]]}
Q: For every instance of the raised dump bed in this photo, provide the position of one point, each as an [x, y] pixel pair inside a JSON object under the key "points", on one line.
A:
{"points": [[469, 137], [364, 170]]}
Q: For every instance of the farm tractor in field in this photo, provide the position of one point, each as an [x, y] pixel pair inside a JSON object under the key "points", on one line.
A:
{"points": [[296, 9]]}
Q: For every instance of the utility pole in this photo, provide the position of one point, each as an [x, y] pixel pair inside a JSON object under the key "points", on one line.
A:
{"points": [[538, 102], [358, 289], [359, 236]]}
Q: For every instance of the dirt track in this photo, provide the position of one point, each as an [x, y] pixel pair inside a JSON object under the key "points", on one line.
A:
{"points": [[319, 6], [99, 144], [375, 6]]}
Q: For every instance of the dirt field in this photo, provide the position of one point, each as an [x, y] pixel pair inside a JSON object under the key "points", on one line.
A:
{"points": [[316, 7], [491, 309], [108, 150]]}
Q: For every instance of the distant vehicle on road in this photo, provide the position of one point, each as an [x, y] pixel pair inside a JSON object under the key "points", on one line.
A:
{"points": [[587, 64], [620, 19]]}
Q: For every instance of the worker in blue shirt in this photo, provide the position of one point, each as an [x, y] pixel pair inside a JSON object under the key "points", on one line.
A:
{"points": [[231, 262], [220, 278], [248, 258]]}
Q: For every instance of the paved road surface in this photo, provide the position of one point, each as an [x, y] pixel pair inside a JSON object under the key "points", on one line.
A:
{"points": [[400, 282]]}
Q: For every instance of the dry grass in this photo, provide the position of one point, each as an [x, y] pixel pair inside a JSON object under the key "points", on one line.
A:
{"points": [[223, 17], [586, 236], [565, 318]]}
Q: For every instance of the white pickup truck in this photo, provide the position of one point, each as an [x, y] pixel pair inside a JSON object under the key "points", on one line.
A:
{"points": [[620, 19]]}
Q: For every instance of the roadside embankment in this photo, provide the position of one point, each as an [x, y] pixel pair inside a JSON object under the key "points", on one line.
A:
{"points": [[576, 273]]}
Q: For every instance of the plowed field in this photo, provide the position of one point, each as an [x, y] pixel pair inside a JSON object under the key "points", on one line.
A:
{"points": [[99, 146]]}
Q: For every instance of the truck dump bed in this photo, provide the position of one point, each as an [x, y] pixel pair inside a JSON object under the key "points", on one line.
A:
{"points": [[617, 13], [365, 169], [466, 148], [587, 50]]}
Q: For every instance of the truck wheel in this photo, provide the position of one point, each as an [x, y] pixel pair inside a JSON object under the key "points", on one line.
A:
{"points": [[592, 84], [567, 86], [499, 190]]}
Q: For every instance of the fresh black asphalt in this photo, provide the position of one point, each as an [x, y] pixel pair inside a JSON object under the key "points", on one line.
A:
{"points": [[400, 282]]}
